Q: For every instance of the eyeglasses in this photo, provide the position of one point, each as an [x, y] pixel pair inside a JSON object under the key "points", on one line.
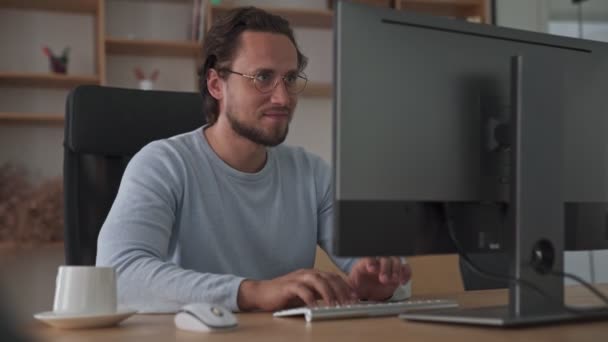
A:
{"points": [[265, 81]]}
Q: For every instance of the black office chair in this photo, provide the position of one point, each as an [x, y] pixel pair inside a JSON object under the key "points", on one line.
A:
{"points": [[104, 128]]}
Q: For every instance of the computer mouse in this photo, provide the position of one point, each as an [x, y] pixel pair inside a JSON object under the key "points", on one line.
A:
{"points": [[205, 317]]}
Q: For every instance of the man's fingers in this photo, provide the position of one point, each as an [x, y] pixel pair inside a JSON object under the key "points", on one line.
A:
{"points": [[386, 270], [397, 270], [331, 287], [372, 265], [391, 270], [344, 292], [304, 293], [317, 282]]}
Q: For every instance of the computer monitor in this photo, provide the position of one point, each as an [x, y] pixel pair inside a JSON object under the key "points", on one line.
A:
{"points": [[495, 135]]}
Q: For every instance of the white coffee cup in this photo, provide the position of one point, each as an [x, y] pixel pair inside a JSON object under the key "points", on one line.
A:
{"points": [[85, 290]]}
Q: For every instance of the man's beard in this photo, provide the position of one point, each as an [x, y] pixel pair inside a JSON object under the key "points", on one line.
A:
{"points": [[256, 135]]}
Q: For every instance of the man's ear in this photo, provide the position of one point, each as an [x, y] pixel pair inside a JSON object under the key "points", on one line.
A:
{"points": [[214, 84]]}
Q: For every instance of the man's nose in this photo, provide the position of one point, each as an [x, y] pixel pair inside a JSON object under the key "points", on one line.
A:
{"points": [[280, 95]]}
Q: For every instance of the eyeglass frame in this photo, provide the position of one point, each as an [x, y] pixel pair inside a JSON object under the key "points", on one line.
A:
{"points": [[253, 79]]}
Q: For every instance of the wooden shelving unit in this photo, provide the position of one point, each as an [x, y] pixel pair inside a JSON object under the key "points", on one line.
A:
{"points": [[147, 48], [31, 118], [104, 46], [21, 79], [92, 8], [474, 10], [310, 18], [77, 6], [314, 89], [464, 9]]}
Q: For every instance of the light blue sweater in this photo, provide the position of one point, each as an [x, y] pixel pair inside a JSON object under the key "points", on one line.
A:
{"points": [[186, 227]]}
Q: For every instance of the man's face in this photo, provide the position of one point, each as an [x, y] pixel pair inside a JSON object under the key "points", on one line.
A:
{"points": [[261, 117]]}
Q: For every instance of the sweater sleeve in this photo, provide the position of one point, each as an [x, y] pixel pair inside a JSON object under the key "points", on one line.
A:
{"points": [[140, 232]]}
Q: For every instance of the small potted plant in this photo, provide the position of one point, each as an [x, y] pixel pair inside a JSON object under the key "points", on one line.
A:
{"points": [[145, 83], [57, 63]]}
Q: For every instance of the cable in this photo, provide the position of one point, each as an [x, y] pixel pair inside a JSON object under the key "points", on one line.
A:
{"points": [[479, 270], [501, 277], [581, 281]]}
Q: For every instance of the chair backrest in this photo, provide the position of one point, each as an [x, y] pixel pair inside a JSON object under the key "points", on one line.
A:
{"points": [[104, 128]]}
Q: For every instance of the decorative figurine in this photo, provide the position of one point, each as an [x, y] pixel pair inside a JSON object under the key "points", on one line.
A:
{"points": [[58, 63], [145, 83]]}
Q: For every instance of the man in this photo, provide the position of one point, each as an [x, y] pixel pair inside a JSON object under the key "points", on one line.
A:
{"points": [[226, 214]]}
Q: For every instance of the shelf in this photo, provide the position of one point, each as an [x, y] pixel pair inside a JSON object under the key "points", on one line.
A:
{"points": [[323, 18], [78, 6], [452, 8], [297, 17], [18, 79], [29, 118], [317, 90], [119, 46]]}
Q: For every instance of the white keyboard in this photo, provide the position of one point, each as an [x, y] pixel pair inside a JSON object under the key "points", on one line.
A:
{"points": [[365, 309]]}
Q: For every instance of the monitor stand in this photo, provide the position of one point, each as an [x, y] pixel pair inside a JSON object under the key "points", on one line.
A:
{"points": [[536, 241], [500, 316]]}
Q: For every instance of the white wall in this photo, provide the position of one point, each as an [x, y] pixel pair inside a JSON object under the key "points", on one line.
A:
{"points": [[528, 15], [592, 10], [312, 127], [564, 16]]}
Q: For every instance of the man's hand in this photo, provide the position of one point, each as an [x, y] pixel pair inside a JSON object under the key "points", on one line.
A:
{"points": [[378, 278], [302, 287]]}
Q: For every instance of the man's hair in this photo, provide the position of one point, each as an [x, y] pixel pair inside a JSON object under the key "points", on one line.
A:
{"points": [[222, 41]]}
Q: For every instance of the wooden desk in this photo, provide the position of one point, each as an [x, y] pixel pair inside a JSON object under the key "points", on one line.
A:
{"points": [[264, 328]]}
